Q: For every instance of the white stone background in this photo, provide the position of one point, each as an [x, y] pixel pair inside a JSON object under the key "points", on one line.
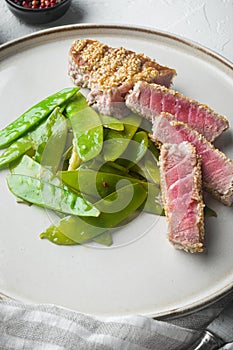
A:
{"points": [[208, 22]]}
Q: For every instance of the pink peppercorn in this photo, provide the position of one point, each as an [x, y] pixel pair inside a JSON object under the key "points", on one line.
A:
{"points": [[37, 3]]}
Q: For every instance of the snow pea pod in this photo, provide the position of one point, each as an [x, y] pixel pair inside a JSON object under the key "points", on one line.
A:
{"points": [[76, 104], [116, 142], [47, 195], [15, 150], [87, 127], [50, 148], [33, 116], [88, 133], [51, 141], [111, 123], [135, 151], [29, 141], [154, 150], [57, 237], [95, 183], [28, 166], [104, 238], [99, 164], [151, 168], [153, 203], [82, 230], [101, 184]]}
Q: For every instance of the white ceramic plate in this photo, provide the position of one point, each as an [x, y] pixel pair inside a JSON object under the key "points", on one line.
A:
{"points": [[141, 273]]}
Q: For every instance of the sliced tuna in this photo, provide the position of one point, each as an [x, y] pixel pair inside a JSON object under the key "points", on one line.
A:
{"points": [[181, 185], [111, 72], [217, 169], [152, 99]]}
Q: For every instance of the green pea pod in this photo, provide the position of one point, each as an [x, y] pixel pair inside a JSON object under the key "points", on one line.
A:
{"points": [[104, 238], [88, 133], [57, 237], [116, 142], [114, 209], [27, 166], [76, 104], [112, 167], [97, 184], [153, 203], [14, 151], [100, 184], [151, 168], [146, 125], [35, 137], [137, 172], [33, 116], [51, 141], [87, 127], [51, 146], [111, 123], [155, 151], [47, 195], [99, 164], [135, 151]]}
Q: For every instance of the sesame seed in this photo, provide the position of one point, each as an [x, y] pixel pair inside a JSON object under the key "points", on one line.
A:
{"points": [[109, 67]]}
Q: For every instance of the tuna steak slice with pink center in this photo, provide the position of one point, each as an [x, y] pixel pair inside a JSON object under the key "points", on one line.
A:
{"points": [[181, 184], [217, 169], [111, 72], [150, 100]]}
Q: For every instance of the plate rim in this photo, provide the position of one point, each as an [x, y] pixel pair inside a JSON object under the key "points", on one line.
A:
{"points": [[218, 58]]}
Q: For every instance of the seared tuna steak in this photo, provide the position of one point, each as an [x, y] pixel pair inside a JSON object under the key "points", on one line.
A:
{"points": [[151, 99], [181, 184], [217, 169], [111, 72]]}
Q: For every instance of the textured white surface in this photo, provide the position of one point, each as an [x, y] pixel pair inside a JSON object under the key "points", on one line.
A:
{"points": [[138, 273], [208, 22]]}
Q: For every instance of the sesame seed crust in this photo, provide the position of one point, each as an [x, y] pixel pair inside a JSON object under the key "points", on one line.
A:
{"points": [[109, 67], [199, 245]]}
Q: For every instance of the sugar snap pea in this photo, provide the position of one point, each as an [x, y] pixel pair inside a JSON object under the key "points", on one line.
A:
{"points": [[49, 196], [33, 116], [116, 142], [113, 211]]}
